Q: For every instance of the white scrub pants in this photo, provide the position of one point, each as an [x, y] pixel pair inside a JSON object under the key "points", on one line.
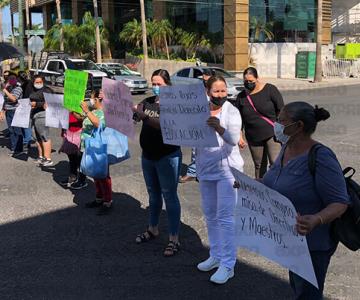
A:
{"points": [[218, 204]]}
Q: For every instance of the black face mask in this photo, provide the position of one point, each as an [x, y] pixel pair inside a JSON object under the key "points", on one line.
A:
{"points": [[218, 101], [249, 85]]}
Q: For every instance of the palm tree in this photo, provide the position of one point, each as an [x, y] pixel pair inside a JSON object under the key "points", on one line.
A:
{"points": [[3, 3], [259, 30], [164, 33], [132, 33]]}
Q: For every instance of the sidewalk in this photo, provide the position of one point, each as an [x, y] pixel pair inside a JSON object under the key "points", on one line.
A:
{"points": [[305, 84]]}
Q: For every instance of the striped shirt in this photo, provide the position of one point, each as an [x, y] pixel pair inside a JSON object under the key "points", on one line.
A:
{"points": [[10, 105]]}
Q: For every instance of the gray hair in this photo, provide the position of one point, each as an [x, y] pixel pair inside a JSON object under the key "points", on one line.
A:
{"points": [[309, 115]]}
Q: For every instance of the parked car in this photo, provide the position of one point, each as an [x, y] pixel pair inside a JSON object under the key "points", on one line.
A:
{"points": [[193, 74], [136, 84], [54, 65], [124, 69]]}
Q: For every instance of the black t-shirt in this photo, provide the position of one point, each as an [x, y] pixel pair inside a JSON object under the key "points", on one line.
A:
{"points": [[151, 140], [38, 97], [268, 102]]}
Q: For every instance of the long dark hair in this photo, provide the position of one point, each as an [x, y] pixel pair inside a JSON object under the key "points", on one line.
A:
{"points": [[251, 71], [164, 74]]}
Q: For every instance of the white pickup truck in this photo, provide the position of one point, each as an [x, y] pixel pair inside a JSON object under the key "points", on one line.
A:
{"points": [[54, 67]]}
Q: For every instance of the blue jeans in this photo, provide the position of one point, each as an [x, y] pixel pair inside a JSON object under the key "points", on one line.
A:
{"points": [[161, 178], [191, 170], [27, 135], [306, 291], [16, 137]]}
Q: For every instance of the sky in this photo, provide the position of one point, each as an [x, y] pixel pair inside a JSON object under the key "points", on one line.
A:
{"points": [[36, 19]]}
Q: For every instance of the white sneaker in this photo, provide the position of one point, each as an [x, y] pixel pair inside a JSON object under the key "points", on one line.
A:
{"points": [[208, 265], [222, 275]]}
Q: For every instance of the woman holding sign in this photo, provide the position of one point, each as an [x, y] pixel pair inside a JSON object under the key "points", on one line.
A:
{"points": [[318, 198], [42, 132], [161, 165], [95, 118], [218, 195]]}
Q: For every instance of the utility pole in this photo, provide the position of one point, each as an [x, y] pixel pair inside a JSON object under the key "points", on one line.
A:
{"points": [[97, 33], [21, 32], [27, 15], [59, 22], [144, 38], [318, 66]]}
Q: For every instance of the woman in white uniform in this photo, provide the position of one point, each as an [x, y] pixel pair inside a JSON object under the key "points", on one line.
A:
{"points": [[214, 171]]}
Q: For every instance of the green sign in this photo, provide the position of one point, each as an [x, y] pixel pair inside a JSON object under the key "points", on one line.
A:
{"points": [[35, 32], [74, 89]]}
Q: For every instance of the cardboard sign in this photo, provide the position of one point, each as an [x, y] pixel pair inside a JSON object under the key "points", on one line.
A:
{"points": [[56, 115], [22, 114]]}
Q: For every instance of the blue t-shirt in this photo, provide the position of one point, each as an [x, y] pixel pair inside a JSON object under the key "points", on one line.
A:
{"points": [[310, 196]]}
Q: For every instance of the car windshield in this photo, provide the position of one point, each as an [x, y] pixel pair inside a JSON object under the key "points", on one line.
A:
{"points": [[221, 72], [82, 65]]}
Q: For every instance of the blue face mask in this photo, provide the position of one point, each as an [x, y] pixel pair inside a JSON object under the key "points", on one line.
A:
{"points": [[156, 90]]}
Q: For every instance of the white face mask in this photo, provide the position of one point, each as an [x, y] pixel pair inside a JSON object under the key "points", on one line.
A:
{"points": [[38, 86], [279, 132], [92, 102]]}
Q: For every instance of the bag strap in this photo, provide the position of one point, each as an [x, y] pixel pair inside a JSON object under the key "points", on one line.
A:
{"points": [[312, 158], [267, 120]]}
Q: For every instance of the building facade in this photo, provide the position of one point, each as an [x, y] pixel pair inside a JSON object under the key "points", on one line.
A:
{"points": [[235, 23]]}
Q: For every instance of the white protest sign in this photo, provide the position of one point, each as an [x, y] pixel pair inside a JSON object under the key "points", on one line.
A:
{"points": [[118, 107], [56, 115], [2, 100], [184, 110], [22, 114], [265, 224]]}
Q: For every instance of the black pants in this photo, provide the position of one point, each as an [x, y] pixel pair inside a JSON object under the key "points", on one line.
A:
{"points": [[263, 153], [74, 164]]}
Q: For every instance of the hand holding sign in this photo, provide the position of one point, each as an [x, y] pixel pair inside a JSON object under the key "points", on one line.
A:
{"points": [[266, 224], [74, 89]]}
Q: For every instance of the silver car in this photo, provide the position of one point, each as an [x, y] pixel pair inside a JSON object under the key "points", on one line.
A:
{"points": [[193, 74], [136, 84]]}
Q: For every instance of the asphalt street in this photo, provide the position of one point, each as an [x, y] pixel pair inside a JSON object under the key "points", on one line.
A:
{"points": [[54, 248]]}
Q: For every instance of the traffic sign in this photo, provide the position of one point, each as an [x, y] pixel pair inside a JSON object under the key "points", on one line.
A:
{"points": [[35, 44], [35, 32]]}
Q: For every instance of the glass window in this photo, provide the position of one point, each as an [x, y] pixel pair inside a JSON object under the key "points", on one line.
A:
{"points": [[184, 73], [282, 21], [197, 73], [53, 66]]}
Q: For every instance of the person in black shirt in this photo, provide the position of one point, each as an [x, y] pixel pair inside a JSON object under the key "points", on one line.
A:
{"points": [[259, 105], [161, 165], [42, 134]]}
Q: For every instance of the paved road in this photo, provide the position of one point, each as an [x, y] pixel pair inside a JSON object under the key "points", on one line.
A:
{"points": [[54, 248]]}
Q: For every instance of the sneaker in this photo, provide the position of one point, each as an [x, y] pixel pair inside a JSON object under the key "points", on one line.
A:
{"points": [[78, 185], [17, 154], [208, 265], [68, 182], [46, 163], [104, 210], [93, 204], [222, 275], [39, 160]]}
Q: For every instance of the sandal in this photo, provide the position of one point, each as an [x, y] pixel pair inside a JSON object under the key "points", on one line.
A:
{"points": [[145, 236], [172, 248]]}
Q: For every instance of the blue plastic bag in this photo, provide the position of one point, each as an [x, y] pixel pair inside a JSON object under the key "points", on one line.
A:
{"points": [[117, 145], [94, 162]]}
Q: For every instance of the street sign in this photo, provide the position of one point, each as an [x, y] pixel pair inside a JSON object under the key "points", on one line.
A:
{"points": [[35, 32], [35, 44]]}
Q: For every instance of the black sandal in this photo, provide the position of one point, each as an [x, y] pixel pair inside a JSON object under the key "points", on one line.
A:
{"points": [[145, 236], [171, 249]]}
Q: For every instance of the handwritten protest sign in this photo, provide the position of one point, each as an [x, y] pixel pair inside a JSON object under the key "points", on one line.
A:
{"points": [[117, 107], [22, 114], [74, 89], [265, 224], [56, 115], [1, 101], [184, 111]]}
